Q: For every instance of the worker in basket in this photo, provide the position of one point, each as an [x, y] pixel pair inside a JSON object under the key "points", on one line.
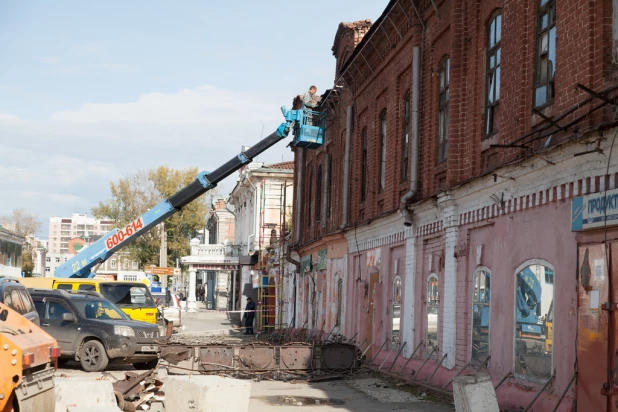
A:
{"points": [[310, 102]]}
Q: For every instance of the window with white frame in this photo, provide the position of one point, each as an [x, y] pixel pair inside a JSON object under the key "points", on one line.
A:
{"points": [[113, 263], [481, 284], [433, 313], [443, 108], [545, 54], [492, 92], [534, 319], [396, 314], [134, 265]]}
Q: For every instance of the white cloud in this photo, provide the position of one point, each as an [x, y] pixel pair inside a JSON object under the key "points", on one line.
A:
{"points": [[64, 164]]}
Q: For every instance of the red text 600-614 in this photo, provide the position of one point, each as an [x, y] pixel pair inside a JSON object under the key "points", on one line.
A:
{"points": [[124, 233]]}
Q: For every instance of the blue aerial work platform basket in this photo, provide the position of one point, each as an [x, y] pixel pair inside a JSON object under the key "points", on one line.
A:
{"points": [[309, 131]]}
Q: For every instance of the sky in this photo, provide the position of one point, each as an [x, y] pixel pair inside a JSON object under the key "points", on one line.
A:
{"points": [[94, 91]]}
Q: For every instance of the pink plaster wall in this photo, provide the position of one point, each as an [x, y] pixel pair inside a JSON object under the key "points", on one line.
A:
{"points": [[509, 241]]}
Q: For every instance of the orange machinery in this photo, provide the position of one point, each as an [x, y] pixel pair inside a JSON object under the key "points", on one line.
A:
{"points": [[28, 357]]}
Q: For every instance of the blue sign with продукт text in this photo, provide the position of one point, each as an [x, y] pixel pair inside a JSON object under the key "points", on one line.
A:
{"points": [[594, 211]]}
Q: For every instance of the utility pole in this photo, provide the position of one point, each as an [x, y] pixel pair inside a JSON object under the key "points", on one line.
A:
{"points": [[163, 253]]}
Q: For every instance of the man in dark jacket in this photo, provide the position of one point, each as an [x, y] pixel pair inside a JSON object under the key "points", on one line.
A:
{"points": [[249, 316]]}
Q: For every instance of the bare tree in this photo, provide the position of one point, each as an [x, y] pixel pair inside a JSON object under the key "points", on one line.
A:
{"points": [[21, 222]]}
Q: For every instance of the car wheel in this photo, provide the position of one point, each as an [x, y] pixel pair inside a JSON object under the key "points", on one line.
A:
{"points": [[146, 365], [92, 356]]}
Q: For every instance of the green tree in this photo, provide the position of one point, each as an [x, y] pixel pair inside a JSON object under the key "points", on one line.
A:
{"points": [[135, 194]]}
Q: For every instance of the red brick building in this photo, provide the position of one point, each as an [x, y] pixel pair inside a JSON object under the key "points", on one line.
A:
{"points": [[482, 123]]}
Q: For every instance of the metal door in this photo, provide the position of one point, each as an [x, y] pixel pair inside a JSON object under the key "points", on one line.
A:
{"points": [[65, 332], [596, 343]]}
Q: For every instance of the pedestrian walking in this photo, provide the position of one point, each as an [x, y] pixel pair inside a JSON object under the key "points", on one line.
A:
{"points": [[249, 316]]}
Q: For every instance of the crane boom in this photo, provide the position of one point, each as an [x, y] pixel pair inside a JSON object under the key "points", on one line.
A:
{"points": [[81, 264]]}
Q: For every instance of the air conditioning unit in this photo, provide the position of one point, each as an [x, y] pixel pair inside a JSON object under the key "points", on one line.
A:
{"points": [[251, 246]]}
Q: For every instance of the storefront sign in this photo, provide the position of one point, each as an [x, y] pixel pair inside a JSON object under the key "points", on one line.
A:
{"points": [[214, 267], [373, 257], [593, 211], [305, 264], [322, 259]]}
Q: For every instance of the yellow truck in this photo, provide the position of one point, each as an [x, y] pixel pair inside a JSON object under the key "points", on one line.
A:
{"points": [[133, 298]]}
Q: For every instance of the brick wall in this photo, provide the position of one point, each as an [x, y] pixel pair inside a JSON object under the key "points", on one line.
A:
{"points": [[381, 78]]}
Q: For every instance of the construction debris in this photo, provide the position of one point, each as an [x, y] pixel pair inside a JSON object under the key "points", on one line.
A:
{"points": [[139, 391], [282, 355]]}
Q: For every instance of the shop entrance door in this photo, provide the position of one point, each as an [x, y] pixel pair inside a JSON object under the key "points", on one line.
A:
{"points": [[597, 380]]}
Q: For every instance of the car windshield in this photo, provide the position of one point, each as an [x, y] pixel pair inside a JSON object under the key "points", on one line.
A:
{"points": [[127, 295], [98, 309]]}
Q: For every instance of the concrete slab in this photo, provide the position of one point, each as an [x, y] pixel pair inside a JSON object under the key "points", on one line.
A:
{"points": [[206, 394], [475, 393], [85, 393]]}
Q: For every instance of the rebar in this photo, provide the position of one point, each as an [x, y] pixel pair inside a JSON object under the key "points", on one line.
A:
{"points": [[508, 375], [435, 348], [458, 373], [388, 355], [411, 356], [331, 332], [437, 367], [380, 350], [539, 393], [397, 357], [565, 392]]}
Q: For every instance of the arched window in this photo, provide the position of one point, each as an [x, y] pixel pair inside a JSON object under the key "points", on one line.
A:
{"points": [[481, 284], [433, 312], [443, 99], [492, 88], [395, 339], [405, 138], [534, 316], [364, 136], [382, 159]]}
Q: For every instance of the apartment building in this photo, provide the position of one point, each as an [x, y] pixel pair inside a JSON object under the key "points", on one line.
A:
{"points": [[63, 229]]}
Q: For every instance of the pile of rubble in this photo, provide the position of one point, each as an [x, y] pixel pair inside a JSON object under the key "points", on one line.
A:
{"points": [[140, 392]]}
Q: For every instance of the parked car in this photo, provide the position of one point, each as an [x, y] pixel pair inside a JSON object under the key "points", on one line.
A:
{"points": [[94, 331], [171, 310], [15, 296]]}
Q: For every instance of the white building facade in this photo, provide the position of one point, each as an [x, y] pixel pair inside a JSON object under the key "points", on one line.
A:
{"points": [[262, 200]]}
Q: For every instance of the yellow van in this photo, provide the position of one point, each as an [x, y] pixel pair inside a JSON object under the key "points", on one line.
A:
{"points": [[133, 298]]}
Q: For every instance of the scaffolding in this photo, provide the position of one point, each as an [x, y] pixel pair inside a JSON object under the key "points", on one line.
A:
{"points": [[271, 264]]}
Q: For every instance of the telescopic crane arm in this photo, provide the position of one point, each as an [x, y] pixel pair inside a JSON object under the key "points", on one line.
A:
{"points": [[82, 263]]}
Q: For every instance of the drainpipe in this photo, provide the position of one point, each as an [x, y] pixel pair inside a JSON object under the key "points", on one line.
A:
{"points": [[416, 86], [299, 194], [346, 169]]}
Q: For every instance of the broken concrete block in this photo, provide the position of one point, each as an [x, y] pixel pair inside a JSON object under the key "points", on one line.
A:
{"points": [[74, 394], [475, 393], [206, 394]]}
